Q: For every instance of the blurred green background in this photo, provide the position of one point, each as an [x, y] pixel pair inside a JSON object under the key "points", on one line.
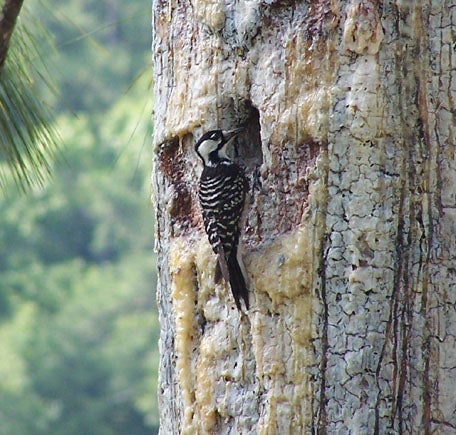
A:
{"points": [[78, 320]]}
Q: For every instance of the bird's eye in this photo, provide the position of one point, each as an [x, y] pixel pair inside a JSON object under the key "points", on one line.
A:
{"points": [[214, 136]]}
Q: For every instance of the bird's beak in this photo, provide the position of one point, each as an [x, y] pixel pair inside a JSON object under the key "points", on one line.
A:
{"points": [[231, 134]]}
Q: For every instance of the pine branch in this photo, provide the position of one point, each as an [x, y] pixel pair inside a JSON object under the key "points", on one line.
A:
{"points": [[10, 12]]}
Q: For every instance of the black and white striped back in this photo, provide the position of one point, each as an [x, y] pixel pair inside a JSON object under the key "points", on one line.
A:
{"points": [[222, 192]]}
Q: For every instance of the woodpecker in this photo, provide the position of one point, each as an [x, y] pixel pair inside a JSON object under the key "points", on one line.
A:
{"points": [[222, 191]]}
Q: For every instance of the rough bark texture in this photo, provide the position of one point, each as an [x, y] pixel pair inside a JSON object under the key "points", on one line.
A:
{"points": [[349, 242]]}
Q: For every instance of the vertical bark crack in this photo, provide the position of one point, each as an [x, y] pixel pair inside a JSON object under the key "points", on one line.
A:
{"points": [[322, 423]]}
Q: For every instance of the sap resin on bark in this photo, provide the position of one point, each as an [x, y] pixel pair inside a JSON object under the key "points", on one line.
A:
{"points": [[363, 31], [216, 349], [349, 240], [283, 278]]}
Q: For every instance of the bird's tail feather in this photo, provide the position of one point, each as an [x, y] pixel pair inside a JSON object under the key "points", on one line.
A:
{"points": [[221, 269], [237, 281]]}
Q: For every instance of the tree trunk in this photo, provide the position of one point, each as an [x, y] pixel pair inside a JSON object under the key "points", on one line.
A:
{"points": [[349, 242]]}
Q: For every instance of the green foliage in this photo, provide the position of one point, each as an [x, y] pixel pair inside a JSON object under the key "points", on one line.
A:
{"points": [[103, 46], [98, 200], [92, 359], [78, 323], [27, 138], [87, 368], [83, 257]]}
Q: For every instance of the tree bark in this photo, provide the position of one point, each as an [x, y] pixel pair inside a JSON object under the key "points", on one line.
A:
{"points": [[349, 242], [10, 12]]}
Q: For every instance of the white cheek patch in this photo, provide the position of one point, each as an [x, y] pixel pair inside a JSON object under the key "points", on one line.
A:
{"points": [[206, 148]]}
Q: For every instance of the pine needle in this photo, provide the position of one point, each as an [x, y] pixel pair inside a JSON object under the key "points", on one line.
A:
{"points": [[27, 139]]}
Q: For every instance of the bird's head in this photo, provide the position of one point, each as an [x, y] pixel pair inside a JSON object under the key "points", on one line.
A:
{"points": [[211, 147]]}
